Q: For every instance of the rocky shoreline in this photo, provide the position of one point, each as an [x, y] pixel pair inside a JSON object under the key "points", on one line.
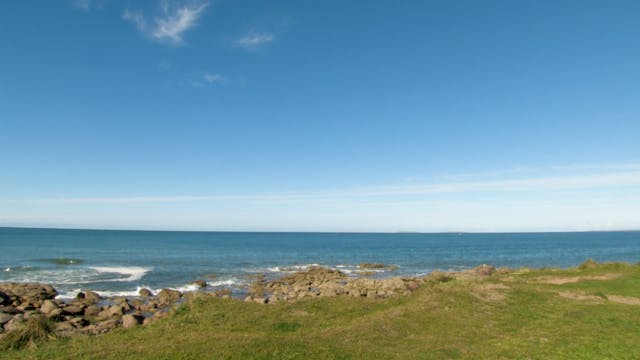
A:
{"points": [[89, 313], [324, 282]]}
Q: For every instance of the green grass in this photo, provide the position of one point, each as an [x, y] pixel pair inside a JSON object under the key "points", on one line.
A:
{"points": [[35, 329], [441, 320]]}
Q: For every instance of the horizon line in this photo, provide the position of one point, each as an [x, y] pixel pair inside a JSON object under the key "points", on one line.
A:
{"points": [[315, 232]]}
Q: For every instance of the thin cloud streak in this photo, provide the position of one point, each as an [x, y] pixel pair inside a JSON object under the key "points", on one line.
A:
{"points": [[83, 4], [172, 24], [254, 40], [136, 18], [206, 80], [212, 78], [606, 180], [534, 169]]}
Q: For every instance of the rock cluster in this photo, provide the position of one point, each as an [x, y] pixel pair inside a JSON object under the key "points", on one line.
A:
{"points": [[319, 281], [480, 271], [88, 313]]}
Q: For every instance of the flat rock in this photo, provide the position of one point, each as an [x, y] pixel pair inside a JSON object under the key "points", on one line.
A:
{"points": [[26, 306], [131, 320], [73, 310], [79, 322], [168, 296], [107, 325], [64, 326], [14, 322], [92, 310], [48, 306], [54, 314], [112, 311], [149, 307], [31, 313], [4, 318]]}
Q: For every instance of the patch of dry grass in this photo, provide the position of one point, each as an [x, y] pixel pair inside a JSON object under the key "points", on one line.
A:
{"points": [[34, 330]]}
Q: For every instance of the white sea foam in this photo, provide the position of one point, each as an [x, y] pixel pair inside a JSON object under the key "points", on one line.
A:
{"points": [[305, 267], [188, 288], [126, 293], [134, 273], [345, 268], [136, 292], [71, 294], [350, 269], [66, 276], [289, 268], [76, 275], [229, 282]]}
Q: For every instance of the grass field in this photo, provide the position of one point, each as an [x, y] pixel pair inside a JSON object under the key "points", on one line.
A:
{"points": [[590, 312]]}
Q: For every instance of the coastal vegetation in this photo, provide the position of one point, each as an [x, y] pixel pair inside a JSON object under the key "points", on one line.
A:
{"points": [[590, 312]]}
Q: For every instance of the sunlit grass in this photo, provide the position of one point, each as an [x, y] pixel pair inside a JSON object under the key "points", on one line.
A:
{"points": [[452, 319]]}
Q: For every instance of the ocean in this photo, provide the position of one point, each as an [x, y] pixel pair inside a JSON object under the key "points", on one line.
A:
{"points": [[114, 262]]}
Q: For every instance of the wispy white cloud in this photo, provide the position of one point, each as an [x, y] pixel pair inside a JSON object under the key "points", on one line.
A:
{"points": [[600, 180], [83, 4], [88, 5], [254, 40], [519, 170], [174, 20], [212, 78], [135, 17], [207, 79]]}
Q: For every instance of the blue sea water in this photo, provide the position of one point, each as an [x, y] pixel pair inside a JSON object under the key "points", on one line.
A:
{"points": [[120, 262]]}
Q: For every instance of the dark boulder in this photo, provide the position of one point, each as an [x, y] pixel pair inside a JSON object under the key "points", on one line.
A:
{"points": [[4, 299], [88, 297], [200, 283]]}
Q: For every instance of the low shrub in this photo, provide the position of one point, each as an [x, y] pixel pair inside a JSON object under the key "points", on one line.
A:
{"points": [[33, 330]]}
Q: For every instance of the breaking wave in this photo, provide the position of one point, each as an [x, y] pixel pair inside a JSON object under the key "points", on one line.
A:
{"points": [[71, 294], [132, 273], [354, 269]]}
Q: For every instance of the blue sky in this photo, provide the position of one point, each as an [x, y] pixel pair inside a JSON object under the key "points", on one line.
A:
{"points": [[320, 115]]}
